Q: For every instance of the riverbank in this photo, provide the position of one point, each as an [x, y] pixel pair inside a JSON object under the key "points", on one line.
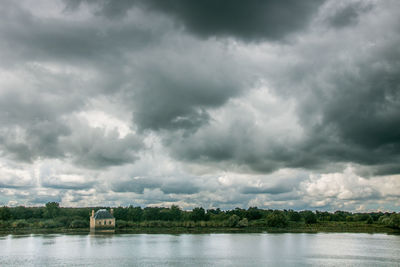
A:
{"points": [[320, 227]]}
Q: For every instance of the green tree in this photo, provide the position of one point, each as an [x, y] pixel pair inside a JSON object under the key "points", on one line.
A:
{"points": [[151, 214], [309, 216], [21, 212], [175, 212], [277, 219], [198, 214], [214, 211], [121, 213], [5, 213], [253, 213], [294, 216], [52, 209], [135, 214]]}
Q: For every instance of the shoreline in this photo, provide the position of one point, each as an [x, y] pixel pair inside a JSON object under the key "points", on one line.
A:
{"points": [[312, 228]]}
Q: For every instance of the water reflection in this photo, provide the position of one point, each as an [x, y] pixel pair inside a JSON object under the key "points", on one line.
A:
{"points": [[201, 250]]}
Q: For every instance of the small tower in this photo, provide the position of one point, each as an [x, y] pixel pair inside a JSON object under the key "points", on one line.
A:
{"points": [[92, 221]]}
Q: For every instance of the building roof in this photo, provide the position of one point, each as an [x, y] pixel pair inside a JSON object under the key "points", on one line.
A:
{"points": [[103, 214]]}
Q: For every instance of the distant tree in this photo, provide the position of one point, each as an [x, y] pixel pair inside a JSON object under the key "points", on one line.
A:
{"points": [[309, 216], [253, 213], [294, 216], [323, 215], [214, 211], [277, 219], [5, 213], [341, 215], [121, 213], [21, 212], [151, 213], [175, 212], [370, 220], [38, 213], [135, 214], [52, 209], [198, 214]]}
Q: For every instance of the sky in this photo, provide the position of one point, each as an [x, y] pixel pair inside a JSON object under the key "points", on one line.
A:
{"points": [[214, 103]]}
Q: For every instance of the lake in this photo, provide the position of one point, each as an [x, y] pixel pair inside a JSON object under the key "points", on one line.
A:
{"points": [[288, 249]]}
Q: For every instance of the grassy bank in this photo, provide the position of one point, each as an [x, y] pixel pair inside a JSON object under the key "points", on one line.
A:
{"points": [[333, 227], [330, 227]]}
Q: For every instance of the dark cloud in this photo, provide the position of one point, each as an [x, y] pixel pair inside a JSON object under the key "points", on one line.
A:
{"points": [[359, 115], [278, 189], [15, 185], [178, 97], [84, 145], [95, 148], [348, 111], [180, 187], [166, 185], [251, 20], [27, 37], [45, 199], [348, 15], [56, 183], [135, 185]]}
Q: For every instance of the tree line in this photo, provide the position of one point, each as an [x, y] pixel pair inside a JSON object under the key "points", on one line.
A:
{"points": [[53, 216]]}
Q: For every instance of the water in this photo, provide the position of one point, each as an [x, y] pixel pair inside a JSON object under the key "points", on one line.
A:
{"points": [[333, 249]]}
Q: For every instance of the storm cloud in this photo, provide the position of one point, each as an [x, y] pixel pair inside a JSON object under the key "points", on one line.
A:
{"points": [[283, 104], [250, 20]]}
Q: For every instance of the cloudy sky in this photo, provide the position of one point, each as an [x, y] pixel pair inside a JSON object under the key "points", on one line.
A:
{"points": [[214, 103]]}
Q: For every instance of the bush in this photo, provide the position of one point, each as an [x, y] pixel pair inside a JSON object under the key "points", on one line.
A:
{"points": [[384, 219], [243, 223], [233, 220], [121, 224], [4, 224], [20, 224], [79, 224], [65, 221], [50, 224], [394, 221]]}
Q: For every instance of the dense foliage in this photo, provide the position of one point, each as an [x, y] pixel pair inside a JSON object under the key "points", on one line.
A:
{"points": [[53, 216]]}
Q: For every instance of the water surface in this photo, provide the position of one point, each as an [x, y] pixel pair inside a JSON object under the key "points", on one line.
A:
{"points": [[330, 249]]}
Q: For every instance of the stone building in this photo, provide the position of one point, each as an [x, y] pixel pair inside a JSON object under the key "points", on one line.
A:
{"points": [[102, 220]]}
